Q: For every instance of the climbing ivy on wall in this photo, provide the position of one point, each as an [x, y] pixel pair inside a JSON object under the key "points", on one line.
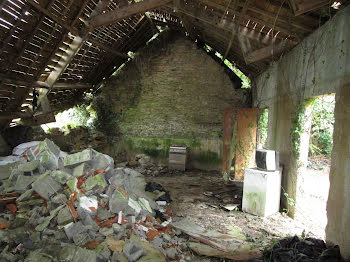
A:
{"points": [[298, 124]]}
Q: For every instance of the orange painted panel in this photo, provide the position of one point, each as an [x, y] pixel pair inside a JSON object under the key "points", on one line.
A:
{"points": [[246, 140]]}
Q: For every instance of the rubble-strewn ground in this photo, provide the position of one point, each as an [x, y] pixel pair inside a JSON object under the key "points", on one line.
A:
{"points": [[190, 192]]}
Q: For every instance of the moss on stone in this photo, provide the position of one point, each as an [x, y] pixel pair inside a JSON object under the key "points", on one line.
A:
{"points": [[208, 157], [158, 147]]}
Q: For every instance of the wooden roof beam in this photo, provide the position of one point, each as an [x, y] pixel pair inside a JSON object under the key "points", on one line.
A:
{"points": [[125, 12], [266, 52], [303, 6]]}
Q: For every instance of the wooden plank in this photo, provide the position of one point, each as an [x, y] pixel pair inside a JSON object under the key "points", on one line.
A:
{"points": [[54, 18], [107, 49], [303, 6], [125, 12], [266, 52], [246, 140]]}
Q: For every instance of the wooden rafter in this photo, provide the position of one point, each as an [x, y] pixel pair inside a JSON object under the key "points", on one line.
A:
{"points": [[125, 12], [302, 6], [266, 52]]}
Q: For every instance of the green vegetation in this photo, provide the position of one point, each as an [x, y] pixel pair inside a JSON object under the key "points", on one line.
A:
{"points": [[80, 115], [245, 80], [298, 125], [158, 147], [262, 126], [321, 140], [106, 120]]}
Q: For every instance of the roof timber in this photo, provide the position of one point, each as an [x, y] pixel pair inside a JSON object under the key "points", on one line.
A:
{"points": [[36, 36], [125, 12]]}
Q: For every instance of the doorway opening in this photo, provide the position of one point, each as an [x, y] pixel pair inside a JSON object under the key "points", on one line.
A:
{"points": [[314, 178]]}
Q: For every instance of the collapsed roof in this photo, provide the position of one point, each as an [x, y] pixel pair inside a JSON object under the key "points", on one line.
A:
{"points": [[54, 51]]}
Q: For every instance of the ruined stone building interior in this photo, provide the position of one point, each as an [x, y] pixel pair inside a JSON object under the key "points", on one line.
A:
{"points": [[174, 130]]}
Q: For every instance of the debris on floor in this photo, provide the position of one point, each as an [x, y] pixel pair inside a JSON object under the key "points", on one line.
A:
{"points": [[78, 207], [301, 250]]}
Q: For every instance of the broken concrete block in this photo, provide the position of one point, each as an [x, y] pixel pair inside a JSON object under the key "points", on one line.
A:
{"points": [[103, 251], [72, 229], [95, 181], [78, 171], [64, 216], [81, 238], [267, 159], [59, 199], [46, 186], [48, 219], [23, 183], [103, 214], [77, 254], [106, 231], [102, 162], [25, 195], [78, 158], [118, 202], [5, 170], [117, 228], [90, 222], [133, 251], [29, 166], [171, 253], [61, 176]]}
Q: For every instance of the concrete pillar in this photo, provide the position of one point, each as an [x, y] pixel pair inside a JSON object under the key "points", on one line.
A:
{"points": [[338, 205], [279, 139]]}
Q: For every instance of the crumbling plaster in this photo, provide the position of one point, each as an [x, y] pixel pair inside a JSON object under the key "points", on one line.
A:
{"points": [[319, 65]]}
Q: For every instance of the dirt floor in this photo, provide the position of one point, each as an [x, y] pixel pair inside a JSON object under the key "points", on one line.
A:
{"points": [[200, 196]]}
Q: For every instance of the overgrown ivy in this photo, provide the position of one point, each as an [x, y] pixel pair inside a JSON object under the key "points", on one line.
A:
{"points": [[106, 120], [321, 141], [262, 125], [298, 124]]}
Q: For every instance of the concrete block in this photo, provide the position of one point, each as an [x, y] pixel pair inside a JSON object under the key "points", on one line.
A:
{"points": [[267, 159], [72, 229], [59, 199], [261, 192], [29, 166], [133, 251], [46, 186], [77, 254], [64, 216], [102, 161], [78, 171], [90, 222], [118, 202], [95, 181], [78, 158], [103, 214], [61, 176], [106, 231], [23, 183]]}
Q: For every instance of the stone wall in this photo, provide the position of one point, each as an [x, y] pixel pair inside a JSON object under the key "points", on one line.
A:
{"points": [[319, 65], [173, 93]]}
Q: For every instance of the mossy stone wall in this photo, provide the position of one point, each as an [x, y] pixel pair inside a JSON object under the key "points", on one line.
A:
{"points": [[173, 93]]}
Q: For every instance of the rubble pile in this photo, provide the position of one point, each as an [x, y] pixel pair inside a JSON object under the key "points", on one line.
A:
{"points": [[78, 207], [301, 250]]}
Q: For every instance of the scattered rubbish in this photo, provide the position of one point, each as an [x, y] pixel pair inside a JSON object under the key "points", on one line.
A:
{"points": [[78, 207], [303, 250], [213, 243]]}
